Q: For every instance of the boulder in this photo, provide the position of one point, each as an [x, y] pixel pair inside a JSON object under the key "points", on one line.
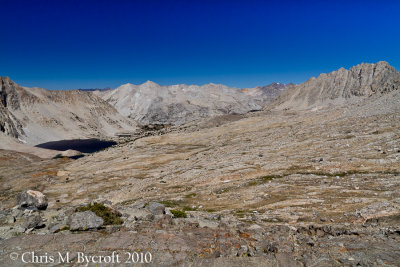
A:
{"points": [[34, 221], [156, 208], [84, 221], [32, 200], [138, 214], [207, 223]]}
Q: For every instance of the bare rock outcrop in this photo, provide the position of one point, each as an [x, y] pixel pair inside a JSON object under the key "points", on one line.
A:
{"points": [[71, 153]]}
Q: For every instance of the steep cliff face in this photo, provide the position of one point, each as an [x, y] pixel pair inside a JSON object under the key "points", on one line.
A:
{"points": [[150, 103], [9, 124], [36, 115], [361, 81]]}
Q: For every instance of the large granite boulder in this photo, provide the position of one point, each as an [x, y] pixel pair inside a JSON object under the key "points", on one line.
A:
{"points": [[156, 208], [31, 199], [84, 221], [34, 221]]}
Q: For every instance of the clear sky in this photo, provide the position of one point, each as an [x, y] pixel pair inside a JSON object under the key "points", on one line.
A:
{"points": [[95, 44]]}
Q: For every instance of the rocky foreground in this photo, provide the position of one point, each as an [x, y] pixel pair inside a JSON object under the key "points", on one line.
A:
{"points": [[272, 188]]}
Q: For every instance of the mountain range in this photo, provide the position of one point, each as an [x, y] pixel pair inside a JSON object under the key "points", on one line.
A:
{"points": [[35, 115], [150, 103]]}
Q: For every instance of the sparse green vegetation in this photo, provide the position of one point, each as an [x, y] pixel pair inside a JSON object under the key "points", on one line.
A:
{"points": [[270, 177], [58, 156], [303, 219], [179, 213], [210, 210], [65, 228], [263, 179], [334, 174], [109, 216], [266, 178], [180, 188], [191, 195], [169, 203], [252, 183], [187, 208], [128, 202], [241, 213]]}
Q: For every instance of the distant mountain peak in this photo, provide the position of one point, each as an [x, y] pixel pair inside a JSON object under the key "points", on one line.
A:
{"points": [[150, 84], [383, 63], [262, 95]]}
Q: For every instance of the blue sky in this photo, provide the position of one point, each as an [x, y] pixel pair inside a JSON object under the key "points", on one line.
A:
{"points": [[96, 44]]}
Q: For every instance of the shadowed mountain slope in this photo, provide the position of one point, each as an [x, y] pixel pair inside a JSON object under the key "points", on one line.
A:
{"points": [[263, 95]]}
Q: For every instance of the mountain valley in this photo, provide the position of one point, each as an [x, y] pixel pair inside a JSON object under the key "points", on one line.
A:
{"points": [[281, 175]]}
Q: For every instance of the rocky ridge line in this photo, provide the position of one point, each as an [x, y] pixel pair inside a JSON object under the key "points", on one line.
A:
{"points": [[359, 82]]}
